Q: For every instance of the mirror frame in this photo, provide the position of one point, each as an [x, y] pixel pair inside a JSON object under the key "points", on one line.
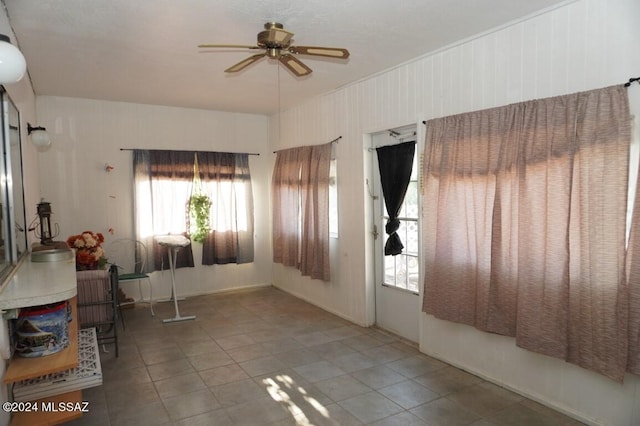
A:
{"points": [[12, 212]]}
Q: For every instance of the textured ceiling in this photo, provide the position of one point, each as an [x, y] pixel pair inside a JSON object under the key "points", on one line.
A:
{"points": [[145, 51]]}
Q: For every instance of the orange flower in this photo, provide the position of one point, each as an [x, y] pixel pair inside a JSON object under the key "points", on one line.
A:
{"points": [[88, 248]]}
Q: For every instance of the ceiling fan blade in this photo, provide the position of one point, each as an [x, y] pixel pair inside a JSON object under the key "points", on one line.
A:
{"points": [[228, 46], [331, 52], [294, 65], [245, 63]]}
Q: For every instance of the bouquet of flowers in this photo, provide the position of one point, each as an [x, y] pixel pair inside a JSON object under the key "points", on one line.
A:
{"points": [[89, 251]]}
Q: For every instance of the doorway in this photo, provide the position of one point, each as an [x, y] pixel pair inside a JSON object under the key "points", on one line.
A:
{"points": [[397, 278]]}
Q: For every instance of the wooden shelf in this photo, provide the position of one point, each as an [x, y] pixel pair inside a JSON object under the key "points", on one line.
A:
{"points": [[26, 289], [47, 418], [28, 368]]}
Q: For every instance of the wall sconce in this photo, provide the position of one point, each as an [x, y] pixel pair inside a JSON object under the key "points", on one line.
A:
{"points": [[39, 137], [12, 62]]}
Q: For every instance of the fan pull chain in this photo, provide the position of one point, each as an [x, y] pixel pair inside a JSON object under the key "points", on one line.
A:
{"points": [[279, 107]]}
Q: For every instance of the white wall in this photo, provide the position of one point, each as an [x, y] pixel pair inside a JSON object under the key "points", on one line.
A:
{"points": [[582, 45], [88, 134]]}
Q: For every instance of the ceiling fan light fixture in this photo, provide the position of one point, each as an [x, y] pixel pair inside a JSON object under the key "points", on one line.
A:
{"points": [[13, 66]]}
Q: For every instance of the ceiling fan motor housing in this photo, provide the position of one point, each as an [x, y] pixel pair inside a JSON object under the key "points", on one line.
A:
{"points": [[274, 37], [274, 52]]}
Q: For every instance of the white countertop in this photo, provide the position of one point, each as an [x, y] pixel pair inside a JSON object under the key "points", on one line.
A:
{"points": [[39, 283]]}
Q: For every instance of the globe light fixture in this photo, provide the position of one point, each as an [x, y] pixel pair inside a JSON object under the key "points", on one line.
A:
{"points": [[12, 63], [39, 137]]}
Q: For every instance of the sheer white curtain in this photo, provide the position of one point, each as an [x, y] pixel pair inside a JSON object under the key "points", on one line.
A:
{"points": [[300, 194], [162, 186], [525, 209]]}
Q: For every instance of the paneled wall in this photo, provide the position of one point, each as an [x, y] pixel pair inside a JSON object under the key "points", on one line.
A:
{"points": [[87, 135], [579, 46]]}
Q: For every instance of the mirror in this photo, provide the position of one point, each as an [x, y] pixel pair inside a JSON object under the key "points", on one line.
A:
{"points": [[13, 236]]}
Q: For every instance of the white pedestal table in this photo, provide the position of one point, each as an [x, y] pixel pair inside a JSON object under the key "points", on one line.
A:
{"points": [[174, 243]]}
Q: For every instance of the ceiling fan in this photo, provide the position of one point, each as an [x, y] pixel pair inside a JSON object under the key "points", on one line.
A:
{"points": [[276, 43]]}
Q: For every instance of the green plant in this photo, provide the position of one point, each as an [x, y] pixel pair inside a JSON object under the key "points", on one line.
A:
{"points": [[199, 207]]}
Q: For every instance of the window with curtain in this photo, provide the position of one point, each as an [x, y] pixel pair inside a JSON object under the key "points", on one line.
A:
{"points": [[163, 184], [300, 191], [524, 214]]}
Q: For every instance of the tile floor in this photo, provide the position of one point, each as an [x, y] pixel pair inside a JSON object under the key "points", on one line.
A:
{"points": [[263, 357]]}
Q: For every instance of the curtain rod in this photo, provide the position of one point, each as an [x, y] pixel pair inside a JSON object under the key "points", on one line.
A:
{"points": [[134, 149], [627, 84], [631, 80], [333, 141], [401, 136], [371, 149]]}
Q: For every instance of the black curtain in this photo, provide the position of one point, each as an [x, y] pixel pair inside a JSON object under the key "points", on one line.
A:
{"points": [[395, 163]]}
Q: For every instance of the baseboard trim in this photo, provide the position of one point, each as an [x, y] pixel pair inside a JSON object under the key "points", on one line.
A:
{"points": [[326, 308], [532, 396], [215, 291]]}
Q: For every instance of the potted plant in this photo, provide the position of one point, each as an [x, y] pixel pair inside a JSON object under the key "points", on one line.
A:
{"points": [[199, 208]]}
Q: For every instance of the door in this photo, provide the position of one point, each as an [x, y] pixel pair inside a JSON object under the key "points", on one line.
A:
{"points": [[398, 277]]}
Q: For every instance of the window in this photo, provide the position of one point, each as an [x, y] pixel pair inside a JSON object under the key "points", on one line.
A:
{"points": [[164, 185], [525, 235]]}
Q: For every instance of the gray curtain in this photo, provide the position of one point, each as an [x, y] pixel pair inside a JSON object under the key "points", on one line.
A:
{"points": [[142, 197], [149, 167], [227, 181]]}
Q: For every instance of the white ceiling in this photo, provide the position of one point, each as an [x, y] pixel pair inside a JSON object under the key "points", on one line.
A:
{"points": [[145, 51]]}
